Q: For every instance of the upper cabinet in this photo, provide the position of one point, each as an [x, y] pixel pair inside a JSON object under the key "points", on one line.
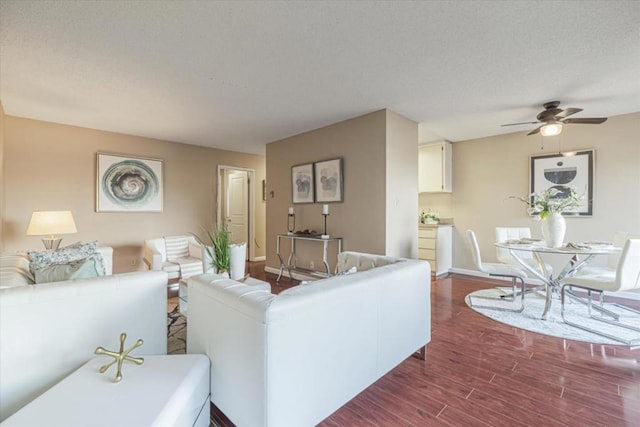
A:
{"points": [[434, 168]]}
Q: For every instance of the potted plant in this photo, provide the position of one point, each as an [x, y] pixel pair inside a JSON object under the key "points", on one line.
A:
{"points": [[548, 206], [429, 217], [220, 250]]}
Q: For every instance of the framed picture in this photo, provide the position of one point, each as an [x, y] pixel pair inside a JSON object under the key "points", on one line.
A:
{"points": [[128, 184], [329, 180], [302, 183], [562, 170]]}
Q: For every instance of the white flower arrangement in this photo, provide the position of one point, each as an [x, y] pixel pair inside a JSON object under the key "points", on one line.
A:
{"points": [[552, 200], [429, 217]]}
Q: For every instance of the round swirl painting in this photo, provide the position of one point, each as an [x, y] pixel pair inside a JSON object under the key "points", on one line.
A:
{"points": [[129, 184]]}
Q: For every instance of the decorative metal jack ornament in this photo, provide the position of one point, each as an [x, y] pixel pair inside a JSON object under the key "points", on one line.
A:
{"points": [[119, 357]]}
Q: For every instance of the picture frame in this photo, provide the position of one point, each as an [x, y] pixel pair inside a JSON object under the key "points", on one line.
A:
{"points": [[560, 170], [329, 181], [302, 189], [128, 183]]}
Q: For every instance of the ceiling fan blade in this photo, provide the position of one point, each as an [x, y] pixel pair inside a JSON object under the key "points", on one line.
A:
{"points": [[523, 123], [549, 114], [586, 120], [568, 112], [536, 130]]}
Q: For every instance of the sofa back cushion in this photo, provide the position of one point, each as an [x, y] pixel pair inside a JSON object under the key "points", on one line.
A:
{"points": [[14, 270], [177, 247], [361, 261]]}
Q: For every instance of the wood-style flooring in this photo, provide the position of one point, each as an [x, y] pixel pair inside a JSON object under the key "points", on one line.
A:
{"points": [[480, 372]]}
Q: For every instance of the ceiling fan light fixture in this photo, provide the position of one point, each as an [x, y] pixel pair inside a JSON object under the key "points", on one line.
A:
{"points": [[551, 129]]}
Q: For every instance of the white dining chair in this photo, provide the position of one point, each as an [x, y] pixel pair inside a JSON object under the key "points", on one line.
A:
{"points": [[498, 270], [619, 240], [626, 277], [504, 234]]}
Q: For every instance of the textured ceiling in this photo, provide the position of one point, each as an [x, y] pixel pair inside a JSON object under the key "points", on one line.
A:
{"points": [[237, 75]]}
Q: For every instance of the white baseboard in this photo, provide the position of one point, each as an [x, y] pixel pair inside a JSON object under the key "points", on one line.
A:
{"points": [[285, 273], [259, 258], [628, 295]]}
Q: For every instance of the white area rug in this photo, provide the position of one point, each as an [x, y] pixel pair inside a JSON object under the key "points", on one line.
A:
{"points": [[530, 319]]}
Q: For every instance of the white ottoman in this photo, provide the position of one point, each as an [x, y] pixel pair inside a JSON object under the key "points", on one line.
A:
{"points": [[164, 391]]}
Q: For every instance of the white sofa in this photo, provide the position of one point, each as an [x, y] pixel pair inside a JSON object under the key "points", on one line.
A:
{"points": [[294, 358], [48, 330]]}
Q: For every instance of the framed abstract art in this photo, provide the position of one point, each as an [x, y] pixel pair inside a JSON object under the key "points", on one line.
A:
{"points": [[128, 184]]}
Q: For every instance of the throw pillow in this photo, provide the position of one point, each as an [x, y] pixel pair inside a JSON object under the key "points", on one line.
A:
{"points": [[82, 269], [65, 255]]}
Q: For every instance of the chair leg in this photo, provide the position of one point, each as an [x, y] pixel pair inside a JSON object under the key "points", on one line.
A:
{"points": [[515, 310], [563, 295]]}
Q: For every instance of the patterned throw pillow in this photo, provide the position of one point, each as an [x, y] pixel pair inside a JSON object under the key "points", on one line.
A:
{"points": [[82, 269], [67, 255]]}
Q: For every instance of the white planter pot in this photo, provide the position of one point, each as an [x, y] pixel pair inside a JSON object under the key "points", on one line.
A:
{"points": [[238, 261], [554, 228]]}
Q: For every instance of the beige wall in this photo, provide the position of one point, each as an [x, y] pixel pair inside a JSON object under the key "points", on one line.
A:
{"points": [[53, 167], [2, 192], [487, 171], [362, 219], [402, 186]]}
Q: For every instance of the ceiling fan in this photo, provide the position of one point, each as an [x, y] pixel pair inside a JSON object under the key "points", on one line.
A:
{"points": [[552, 119]]}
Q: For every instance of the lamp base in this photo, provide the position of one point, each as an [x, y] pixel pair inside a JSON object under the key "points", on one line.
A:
{"points": [[51, 244]]}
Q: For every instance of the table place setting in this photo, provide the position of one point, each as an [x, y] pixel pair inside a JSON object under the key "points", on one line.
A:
{"points": [[525, 241]]}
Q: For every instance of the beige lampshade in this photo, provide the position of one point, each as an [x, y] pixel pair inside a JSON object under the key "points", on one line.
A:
{"points": [[50, 223]]}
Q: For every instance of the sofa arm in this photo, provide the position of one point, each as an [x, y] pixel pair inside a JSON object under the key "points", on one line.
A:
{"points": [[195, 250], [152, 256]]}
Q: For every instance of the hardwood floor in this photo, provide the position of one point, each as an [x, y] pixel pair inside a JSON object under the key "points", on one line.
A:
{"points": [[480, 372]]}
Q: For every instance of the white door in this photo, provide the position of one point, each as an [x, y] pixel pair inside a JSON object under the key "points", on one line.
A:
{"points": [[237, 206]]}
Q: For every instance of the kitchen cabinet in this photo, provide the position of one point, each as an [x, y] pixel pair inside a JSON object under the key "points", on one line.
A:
{"points": [[435, 246], [435, 167]]}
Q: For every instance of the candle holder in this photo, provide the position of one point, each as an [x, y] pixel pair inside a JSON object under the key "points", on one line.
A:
{"points": [[291, 223], [325, 235]]}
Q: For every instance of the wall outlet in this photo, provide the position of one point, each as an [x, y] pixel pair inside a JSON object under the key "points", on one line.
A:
{"points": [[134, 261], [311, 265]]}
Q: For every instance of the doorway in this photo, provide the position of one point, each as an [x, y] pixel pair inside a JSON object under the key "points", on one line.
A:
{"points": [[236, 205]]}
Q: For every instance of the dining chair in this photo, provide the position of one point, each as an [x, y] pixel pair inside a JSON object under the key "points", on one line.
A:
{"points": [[498, 270], [619, 240], [504, 234], [626, 277]]}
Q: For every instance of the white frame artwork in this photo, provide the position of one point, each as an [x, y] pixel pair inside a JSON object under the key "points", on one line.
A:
{"points": [[128, 184], [565, 169], [328, 175], [302, 190]]}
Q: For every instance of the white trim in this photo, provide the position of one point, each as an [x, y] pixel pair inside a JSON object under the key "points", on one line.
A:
{"points": [[252, 209], [628, 295], [259, 258], [285, 273]]}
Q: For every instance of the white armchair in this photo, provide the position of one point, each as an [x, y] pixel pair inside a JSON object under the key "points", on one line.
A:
{"points": [[179, 256]]}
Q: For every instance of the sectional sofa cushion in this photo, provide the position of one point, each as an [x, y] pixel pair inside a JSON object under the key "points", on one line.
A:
{"points": [[14, 270], [361, 261]]}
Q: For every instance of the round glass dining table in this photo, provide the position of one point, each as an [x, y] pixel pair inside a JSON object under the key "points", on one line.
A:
{"points": [[578, 255]]}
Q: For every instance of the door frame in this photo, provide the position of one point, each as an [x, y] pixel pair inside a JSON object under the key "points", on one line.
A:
{"points": [[251, 215]]}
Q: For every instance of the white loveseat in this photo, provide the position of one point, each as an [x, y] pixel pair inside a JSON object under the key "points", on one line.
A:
{"points": [[48, 330], [294, 358]]}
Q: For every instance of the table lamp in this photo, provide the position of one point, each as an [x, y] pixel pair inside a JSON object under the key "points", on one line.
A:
{"points": [[50, 223]]}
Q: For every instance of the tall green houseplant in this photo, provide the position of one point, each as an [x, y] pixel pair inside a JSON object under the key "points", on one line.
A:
{"points": [[220, 249]]}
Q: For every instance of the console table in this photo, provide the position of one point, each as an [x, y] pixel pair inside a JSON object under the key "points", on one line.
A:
{"points": [[292, 256]]}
